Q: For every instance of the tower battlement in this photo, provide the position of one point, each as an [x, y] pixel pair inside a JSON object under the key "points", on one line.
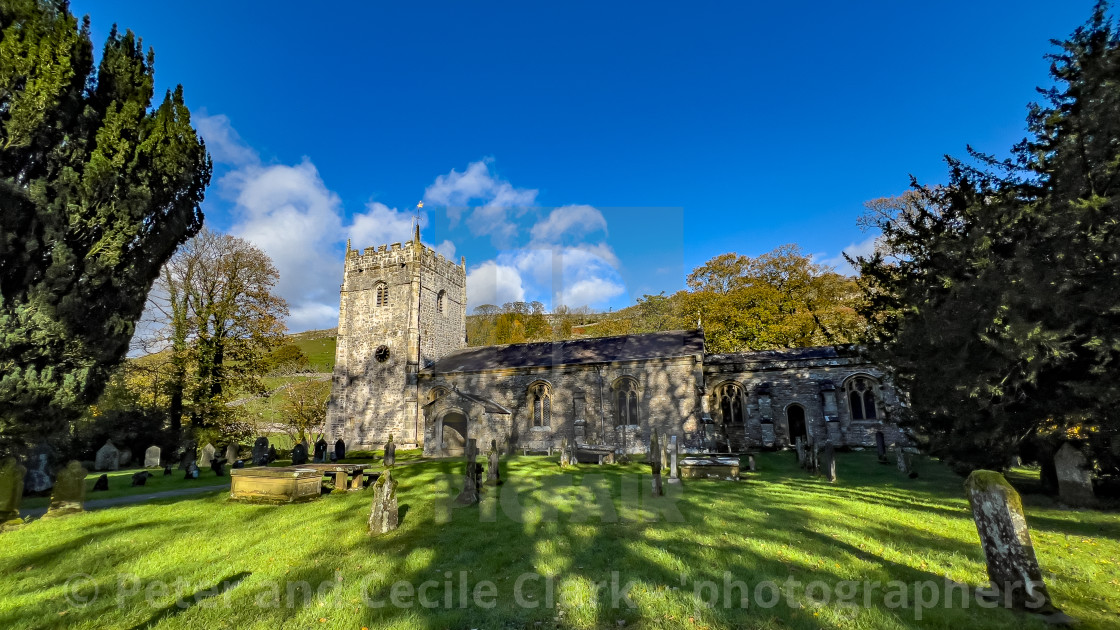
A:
{"points": [[396, 254]]}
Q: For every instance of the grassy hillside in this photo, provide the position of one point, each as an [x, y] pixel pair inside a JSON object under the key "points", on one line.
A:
{"points": [[319, 346]]}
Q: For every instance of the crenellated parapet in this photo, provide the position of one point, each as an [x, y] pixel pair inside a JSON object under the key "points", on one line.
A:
{"points": [[392, 256]]}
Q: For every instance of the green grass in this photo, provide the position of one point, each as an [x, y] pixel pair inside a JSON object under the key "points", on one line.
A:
{"points": [[120, 484], [777, 524], [319, 347]]}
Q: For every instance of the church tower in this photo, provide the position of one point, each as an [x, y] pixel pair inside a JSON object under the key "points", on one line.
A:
{"points": [[401, 308]]}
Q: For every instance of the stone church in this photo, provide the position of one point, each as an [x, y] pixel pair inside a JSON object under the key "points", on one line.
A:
{"points": [[402, 367]]}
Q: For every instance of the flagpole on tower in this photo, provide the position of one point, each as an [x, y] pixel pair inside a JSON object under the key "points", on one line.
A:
{"points": [[416, 222]]}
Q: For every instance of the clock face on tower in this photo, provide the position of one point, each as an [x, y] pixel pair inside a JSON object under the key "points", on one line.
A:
{"points": [[381, 354]]}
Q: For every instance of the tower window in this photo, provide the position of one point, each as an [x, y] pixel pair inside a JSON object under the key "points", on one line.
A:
{"points": [[439, 301], [382, 292]]}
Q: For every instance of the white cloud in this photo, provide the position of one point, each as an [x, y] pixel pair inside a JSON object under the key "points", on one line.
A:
{"points": [[493, 283], [585, 275], [381, 224], [573, 221], [592, 291], [447, 249], [223, 141], [865, 248], [498, 203]]}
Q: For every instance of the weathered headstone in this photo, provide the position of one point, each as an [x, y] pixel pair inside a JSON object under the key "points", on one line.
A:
{"points": [[674, 452], [191, 472], [1012, 566], [493, 474], [231, 452], [469, 495], [340, 449], [207, 455], [903, 461], [390, 452], [151, 457], [108, 457], [260, 451], [829, 462], [140, 478], [881, 445], [271, 455], [565, 461], [1075, 482], [11, 492], [320, 454], [188, 456], [801, 459], [102, 483], [38, 477], [655, 467], [69, 491], [384, 517], [125, 458], [751, 463], [218, 466], [299, 454], [664, 456]]}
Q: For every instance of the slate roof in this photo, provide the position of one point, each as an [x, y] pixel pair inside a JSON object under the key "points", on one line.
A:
{"points": [[789, 354], [677, 343], [488, 405]]}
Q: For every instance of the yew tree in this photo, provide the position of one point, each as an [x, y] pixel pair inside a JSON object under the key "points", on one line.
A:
{"points": [[98, 186]]}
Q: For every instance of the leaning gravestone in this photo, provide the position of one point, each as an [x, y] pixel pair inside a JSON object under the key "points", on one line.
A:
{"points": [[1075, 483], [189, 455], [390, 452], [11, 492], [903, 462], [38, 478], [881, 446], [141, 478], [151, 457], [102, 483], [69, 491], [231, 452], [207, 455], [469, 495], [299, 454], [340, 449], [320, 451], [260, 451], [384, 517], [829, 462], [125, 458], [108, 457], [1012, 566]]}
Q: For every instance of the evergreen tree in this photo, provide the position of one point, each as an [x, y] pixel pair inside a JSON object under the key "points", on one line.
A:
{"points": [[97, 189], [997, 297]]}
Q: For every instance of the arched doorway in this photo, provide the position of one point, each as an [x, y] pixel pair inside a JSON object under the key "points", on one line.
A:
{"points": [[795, 420], [454, 433]]}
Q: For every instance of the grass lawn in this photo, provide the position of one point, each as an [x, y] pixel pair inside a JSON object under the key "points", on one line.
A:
{"points": [[120, 484], [205, 562]]}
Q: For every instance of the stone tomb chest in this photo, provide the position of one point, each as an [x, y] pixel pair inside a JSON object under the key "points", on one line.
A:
{"points": [[275, 485], [709, 467]]}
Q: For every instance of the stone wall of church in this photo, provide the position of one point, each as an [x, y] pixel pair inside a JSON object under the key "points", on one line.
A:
{"points": [[668, 401], [770, 389]]}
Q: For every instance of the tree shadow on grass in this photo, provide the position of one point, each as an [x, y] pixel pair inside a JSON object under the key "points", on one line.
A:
{"points": [[193, 599]]}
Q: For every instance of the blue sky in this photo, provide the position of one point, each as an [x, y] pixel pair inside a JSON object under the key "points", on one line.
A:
{"points": [[588, 152]]}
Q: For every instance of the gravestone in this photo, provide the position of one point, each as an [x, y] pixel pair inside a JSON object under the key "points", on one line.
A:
{"points": [[38, 477], [750, 463], [270, 456], [674, 451], [469, 495], [1012, 566], [260, 451], [1075, 482], [829, 462], [231, 452], [815, 462], [493, 475], [384, 517], [11, 492], [340, 449], [664, 456], [565, 458], [167, 470], [188, 456], [141, 478], [69, 491], [390, 452], [108, 457], [903, 462], [320, 451], [655, 467], [207, 455], [125, 458], [151, 457], [881, 446], [299, 454], [218, 466], [102, 484], [239, 464], [191, 472], [800, 452]]}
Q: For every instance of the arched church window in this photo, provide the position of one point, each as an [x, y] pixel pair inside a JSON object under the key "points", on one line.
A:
{"points": [[626, 401], [540, 397], [729, 402], [382, 292], [439, 301], [860, 392], [436, 393]]}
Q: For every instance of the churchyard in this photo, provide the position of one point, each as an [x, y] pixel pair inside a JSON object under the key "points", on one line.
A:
{"points": [[556, 547]]}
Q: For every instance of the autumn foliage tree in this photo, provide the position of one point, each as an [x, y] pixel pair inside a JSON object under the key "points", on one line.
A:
{"points": [[98, 187]]}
